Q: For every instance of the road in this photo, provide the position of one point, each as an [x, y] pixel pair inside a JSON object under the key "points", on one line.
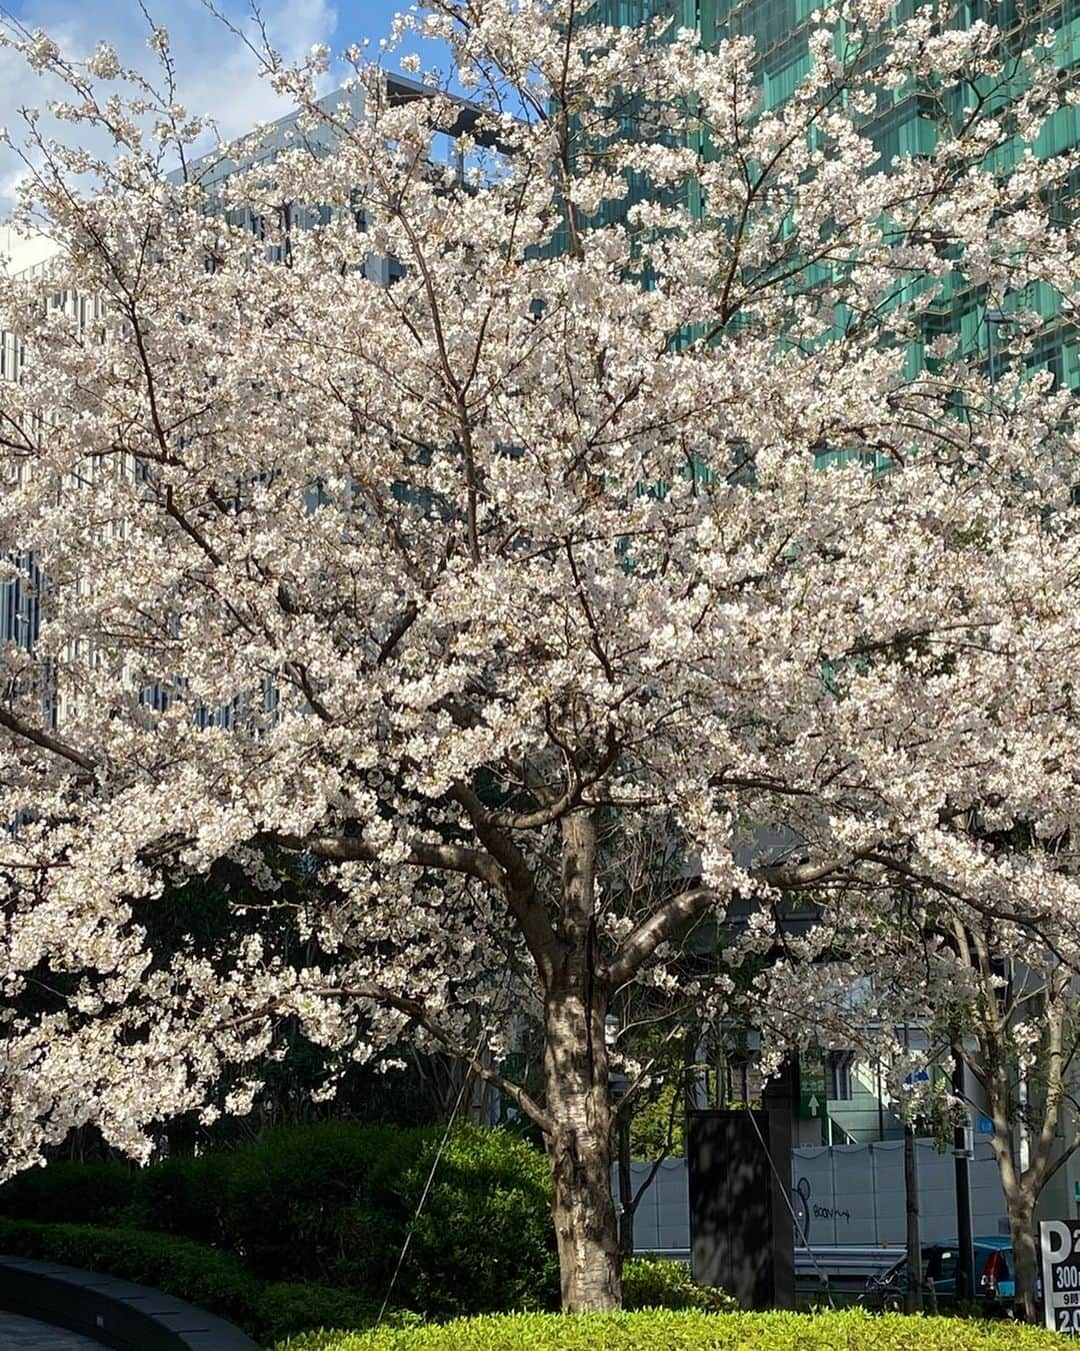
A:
{"points": [[26, 1334]]}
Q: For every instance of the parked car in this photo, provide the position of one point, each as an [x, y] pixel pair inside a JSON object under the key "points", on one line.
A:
{"points": [[995, 1279]]}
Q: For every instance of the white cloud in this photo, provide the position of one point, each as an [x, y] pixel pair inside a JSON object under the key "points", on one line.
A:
{"points": [[217, 74]]}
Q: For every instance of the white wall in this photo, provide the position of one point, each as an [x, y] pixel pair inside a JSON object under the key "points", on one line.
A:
{"points": [[854, 1195], [20, 252]]}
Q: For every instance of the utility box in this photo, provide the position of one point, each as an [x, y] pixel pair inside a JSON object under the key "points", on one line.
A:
{"points": [[741, 1221]]}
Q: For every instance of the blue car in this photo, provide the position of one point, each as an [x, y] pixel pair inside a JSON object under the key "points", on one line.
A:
{"points": [[995, 1278]]}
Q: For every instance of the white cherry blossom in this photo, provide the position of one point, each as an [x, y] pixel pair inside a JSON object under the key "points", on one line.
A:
{"points": [[616, 527]]}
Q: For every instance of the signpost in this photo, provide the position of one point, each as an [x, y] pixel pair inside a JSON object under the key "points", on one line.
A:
{"points": [[1059, 1243], [811, 1086]]}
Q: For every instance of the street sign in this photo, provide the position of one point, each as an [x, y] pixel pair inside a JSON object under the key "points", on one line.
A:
{"points": [[1059, 1243], [811, 1086]]}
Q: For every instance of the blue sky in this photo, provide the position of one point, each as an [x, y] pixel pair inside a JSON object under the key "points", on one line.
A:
{"points": [[372, 18], [341, 23], [216, 74]]}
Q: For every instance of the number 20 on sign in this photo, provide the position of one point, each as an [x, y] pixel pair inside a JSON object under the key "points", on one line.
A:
{"points": [[1059, 1244]]}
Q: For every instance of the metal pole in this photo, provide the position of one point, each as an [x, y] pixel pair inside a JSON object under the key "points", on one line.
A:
{"points": [[965, 1258], [628, 1210], [880, 1105], [913, 1299], [993, 317], [913, 1295]]}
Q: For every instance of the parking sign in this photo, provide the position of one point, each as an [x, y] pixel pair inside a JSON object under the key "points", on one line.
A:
{"points": [[1059, 1242]]}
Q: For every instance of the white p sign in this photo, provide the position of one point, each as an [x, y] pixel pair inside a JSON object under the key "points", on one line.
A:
{"points": [[1059, 1243]]}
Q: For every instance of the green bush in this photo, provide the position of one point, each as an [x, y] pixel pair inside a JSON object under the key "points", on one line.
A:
{"points": [[81, 1193], [653, 1283], [484, 1242], [668, 1330], [286, 1197], [183, 1196], [332, 1203], [214, 1280], [286, 1307]]}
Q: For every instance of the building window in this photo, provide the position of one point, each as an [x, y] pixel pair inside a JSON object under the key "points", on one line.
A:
{"points": [[838, 1075]]}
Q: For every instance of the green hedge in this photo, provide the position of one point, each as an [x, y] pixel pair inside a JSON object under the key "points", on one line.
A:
{"points": [[655, 1283], [214, 1280], [185, 1196], [77, 1193], [331, 1204], [852, 1330]]}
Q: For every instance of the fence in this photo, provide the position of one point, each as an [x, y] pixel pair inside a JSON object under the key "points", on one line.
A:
{"points": [[849, 1194]]}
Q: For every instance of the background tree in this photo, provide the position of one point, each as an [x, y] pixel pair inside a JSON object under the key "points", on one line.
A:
{"points": [[1010, 1009], [999, 996], [462, 585], [1021, 1047]]}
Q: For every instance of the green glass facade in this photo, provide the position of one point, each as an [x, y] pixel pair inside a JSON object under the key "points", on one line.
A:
{"points": [[904, 125]]}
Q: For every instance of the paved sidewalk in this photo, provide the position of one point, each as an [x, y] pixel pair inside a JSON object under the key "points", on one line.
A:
{"points": [[26, 1334]]}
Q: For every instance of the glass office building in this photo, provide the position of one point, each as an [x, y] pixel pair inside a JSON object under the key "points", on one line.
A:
{"points": [[905, 124]]}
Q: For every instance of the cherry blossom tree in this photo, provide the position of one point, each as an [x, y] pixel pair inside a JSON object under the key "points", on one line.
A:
{"points": [[610, 522]]}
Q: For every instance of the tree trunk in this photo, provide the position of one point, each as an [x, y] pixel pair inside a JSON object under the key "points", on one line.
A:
{"points": [[1021, 1208], [578, 1095], [579, 1147]]}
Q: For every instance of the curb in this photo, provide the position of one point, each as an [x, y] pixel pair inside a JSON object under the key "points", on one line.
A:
{"points": [[120, 1315]]}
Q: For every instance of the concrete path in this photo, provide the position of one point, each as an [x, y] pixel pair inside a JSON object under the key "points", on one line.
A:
{"points": [[26, 1334]]}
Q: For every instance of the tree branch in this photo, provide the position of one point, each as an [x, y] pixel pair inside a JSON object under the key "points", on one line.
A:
{"points": [[683, 909], [669, 1145], [417, 1011], [643, 940], [1063, 1158], [420, 1014], [520, 885], [46, 742], [353, 849]]}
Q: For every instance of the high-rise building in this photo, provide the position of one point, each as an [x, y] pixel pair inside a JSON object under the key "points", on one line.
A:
{"points": [[36, 257], [905, 123]]}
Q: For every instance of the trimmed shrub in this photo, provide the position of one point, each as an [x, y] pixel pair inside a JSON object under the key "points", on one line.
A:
{"points": [[286, 1307], [670, 1330], [185, 1196], [80, 1193], [484, 1242], [332, 1204], [297, 1203], [214, 1280], [654, 1283]]}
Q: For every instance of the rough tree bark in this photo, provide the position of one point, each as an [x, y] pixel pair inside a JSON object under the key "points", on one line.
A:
{"points": [[1021, 1188], [1021, 1208], [577, 1090]]}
